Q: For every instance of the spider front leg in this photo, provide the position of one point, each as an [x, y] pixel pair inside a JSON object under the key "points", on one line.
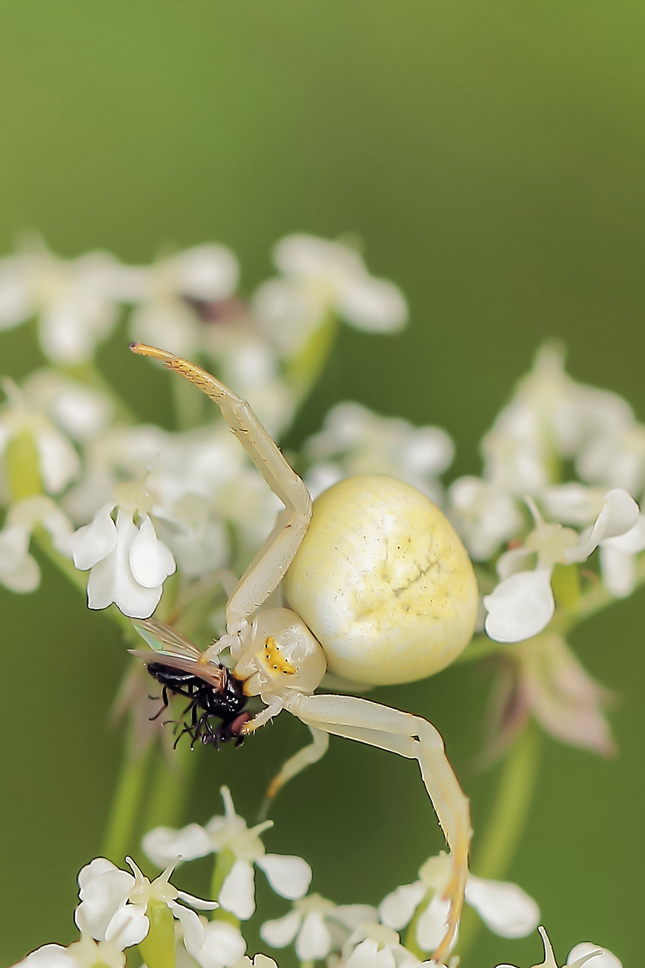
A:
{"points": [[308, 755], [414, 738], [270, 565]]}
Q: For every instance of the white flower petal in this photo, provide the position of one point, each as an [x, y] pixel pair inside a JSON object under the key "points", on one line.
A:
{"points": [[432, 924], [206, 272], [93, 542], [58, 461], [192, 927], [281, 931], [520, 606], [396, 910], [164, 844], [505, 908], [631, 541], [102, 894], [49, 956], [100, 865], [363, 955], [618, 571], [128, 926], [371, 304], [619, 515], [314, 940], [199, 903], [223, 946], [150, 560], [19, 571], [289, 876], [605, 960], [238, 891]]}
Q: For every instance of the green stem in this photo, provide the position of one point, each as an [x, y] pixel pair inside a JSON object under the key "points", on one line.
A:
{"points": [[120, 830], [171, 787], [507, 821], [303, 370]]}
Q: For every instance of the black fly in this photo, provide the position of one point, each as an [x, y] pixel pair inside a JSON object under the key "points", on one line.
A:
{"points": [[180, 668]]}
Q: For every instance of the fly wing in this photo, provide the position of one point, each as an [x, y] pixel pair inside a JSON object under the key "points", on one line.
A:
{"points": [[171, 648], [208, 671], [166, 640]]}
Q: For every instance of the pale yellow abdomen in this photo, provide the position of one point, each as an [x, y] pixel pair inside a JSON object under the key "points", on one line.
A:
{"points": [[383, 582]]}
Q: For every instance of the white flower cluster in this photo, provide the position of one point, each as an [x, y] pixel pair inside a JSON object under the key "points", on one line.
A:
{"points": [[551, 423], [119, 909], [150, 501]]}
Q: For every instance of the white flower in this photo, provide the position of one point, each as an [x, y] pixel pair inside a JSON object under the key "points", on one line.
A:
{"points": [[85, 953], [589, 955], [603, 960], [317, 925], [58, 462], [76, 301], [550, 417], [205, 273], [114, 904], [522, 604], [259, 961], [577, 504], [222, 947], [322, 277], [289, 876], [19, 571], [128, 564], [80, 411], [505, 908], [483, 515], [616, 458], [377, 946], [355, 440]]}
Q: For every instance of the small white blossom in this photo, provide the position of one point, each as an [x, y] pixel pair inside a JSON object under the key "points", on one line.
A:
{"points": [[58, 462], [289, 876], [76, 300], [164, 317], [505, 908], [19, 571], [222, 947], [603, 960], [522, 604], [128, 564], [483, 515], [80, 411], [317, 925], [355, 440], [550, 417], [322, 277], [85, 953], [577, 958], [377, 946], [259, 961], [114, 904]]}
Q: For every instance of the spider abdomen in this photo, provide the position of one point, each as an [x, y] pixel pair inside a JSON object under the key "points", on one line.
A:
{"points": [[383, 582]]}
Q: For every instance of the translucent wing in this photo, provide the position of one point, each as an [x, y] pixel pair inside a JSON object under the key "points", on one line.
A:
{"points": [[171, 648], [166, 640]]}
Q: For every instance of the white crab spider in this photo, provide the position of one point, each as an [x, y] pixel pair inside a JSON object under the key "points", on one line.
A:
{"points": [[380, 591]]}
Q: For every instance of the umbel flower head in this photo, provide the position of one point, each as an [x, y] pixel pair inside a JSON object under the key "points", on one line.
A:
{"points": [[289, 876], [317, 926]]}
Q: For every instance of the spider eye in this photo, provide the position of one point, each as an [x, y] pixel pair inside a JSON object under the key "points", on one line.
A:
{"points": [[276, 661]]}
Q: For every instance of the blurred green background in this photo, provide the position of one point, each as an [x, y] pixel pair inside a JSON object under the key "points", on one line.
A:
{"points": [[491, 156]]}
